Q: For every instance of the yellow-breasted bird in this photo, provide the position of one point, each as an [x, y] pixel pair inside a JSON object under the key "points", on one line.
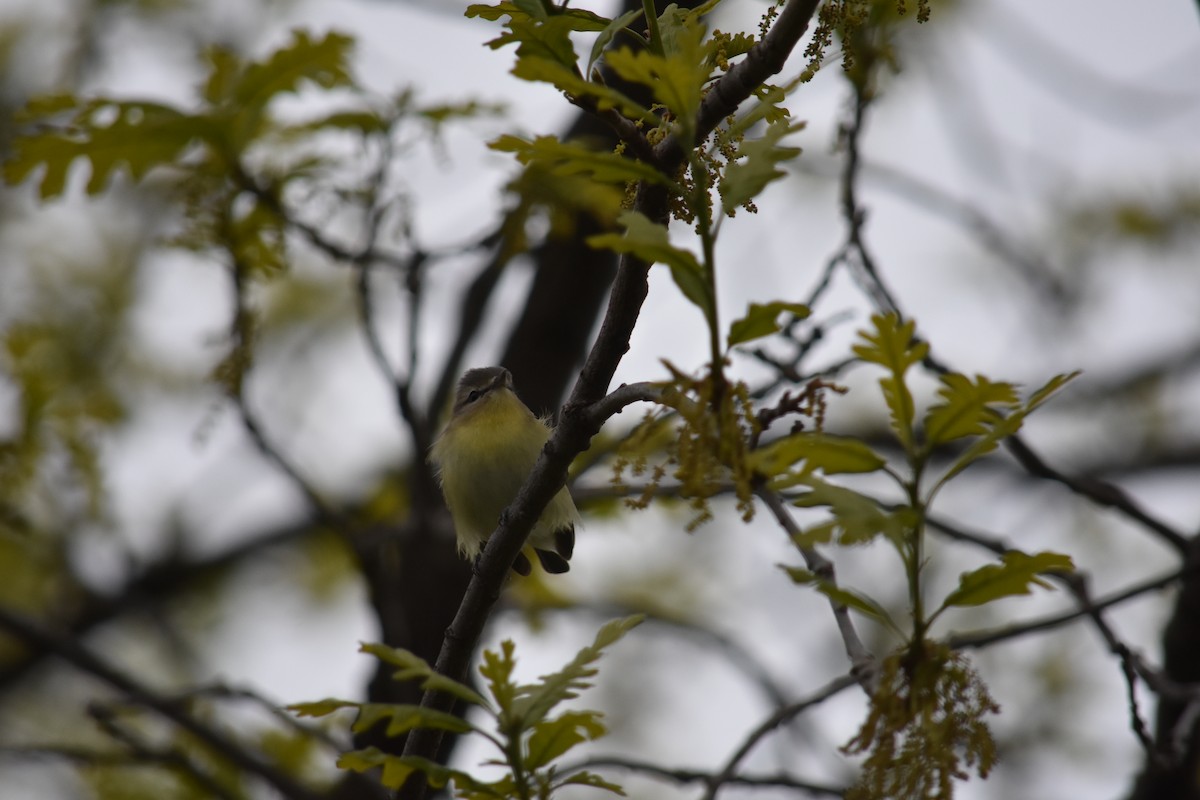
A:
{"points": [[483, 456]]}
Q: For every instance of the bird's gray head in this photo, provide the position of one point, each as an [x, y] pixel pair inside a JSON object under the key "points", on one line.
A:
{"points": [[476, 383]]}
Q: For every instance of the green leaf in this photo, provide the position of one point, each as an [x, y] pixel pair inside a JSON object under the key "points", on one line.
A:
{"points": [[649, 241], [402, 718], [570, 81], [1001, 428], [320, 708], [675, 79], [553, 737], [968, 408], [323, 61], [413, 667], [1013, 576], [893, 346], [1052, 386], [755, 164], [111, 135], [857, 519], [397, 769], [841, 595], [762, 320], [568, 158], [581, 19], [823, 451], [610, 31], [593, 780], [538, 699], [497, 670]]}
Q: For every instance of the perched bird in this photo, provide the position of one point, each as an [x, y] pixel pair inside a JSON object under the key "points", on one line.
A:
{"points": [[483, 456]]}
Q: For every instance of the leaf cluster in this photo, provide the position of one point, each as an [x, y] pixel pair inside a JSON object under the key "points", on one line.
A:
{"points": [[526, 729]]}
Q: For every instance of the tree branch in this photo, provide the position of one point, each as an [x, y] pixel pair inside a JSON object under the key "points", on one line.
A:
{"points": [[863, 665], [777, 718], [235, 753]]}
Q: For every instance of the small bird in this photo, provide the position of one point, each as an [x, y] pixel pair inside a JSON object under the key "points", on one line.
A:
{"points": [[483, 456]]}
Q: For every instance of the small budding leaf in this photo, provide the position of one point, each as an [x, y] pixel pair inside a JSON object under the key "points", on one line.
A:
{"points": [[968, 408], [413, 667], [763, 320], [840, 594], [1016, 573], [893, 346]]}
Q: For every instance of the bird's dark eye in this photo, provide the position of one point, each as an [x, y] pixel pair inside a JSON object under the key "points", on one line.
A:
{"points": [[474, 395]]}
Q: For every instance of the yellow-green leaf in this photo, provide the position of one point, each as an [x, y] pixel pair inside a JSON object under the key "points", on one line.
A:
{"points": [[893, 346], [649, 241], [823, 451], [552, 738], [569, 158], [1016, 573], [755, 164], [762, 320], [968, 408], [840, 594]]}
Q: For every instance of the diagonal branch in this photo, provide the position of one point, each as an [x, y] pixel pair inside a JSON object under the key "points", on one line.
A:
{"points": [[776, 719], [863, 665]]}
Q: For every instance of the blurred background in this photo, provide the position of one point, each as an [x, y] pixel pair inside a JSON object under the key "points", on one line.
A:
{"points": [[1031, 181]]}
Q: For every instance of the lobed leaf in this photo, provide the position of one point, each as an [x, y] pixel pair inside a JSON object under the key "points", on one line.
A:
{"points": [[1016, 573], [826, 452], [538, 699], [1002, 428], [552, 738], [755, 164], [413, 667], [397, 769], [968, 408], [402, 718], [497, 670], [893, 346], [133, 136], [857, 518]]}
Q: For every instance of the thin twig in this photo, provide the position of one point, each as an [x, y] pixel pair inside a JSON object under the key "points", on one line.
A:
{"points": [[862, 663], [777, 718], [684, 776]]}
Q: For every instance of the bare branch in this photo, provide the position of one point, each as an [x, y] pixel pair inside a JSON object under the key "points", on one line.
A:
{"points": [[685, 776], [777, 718], [863, 665]]}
